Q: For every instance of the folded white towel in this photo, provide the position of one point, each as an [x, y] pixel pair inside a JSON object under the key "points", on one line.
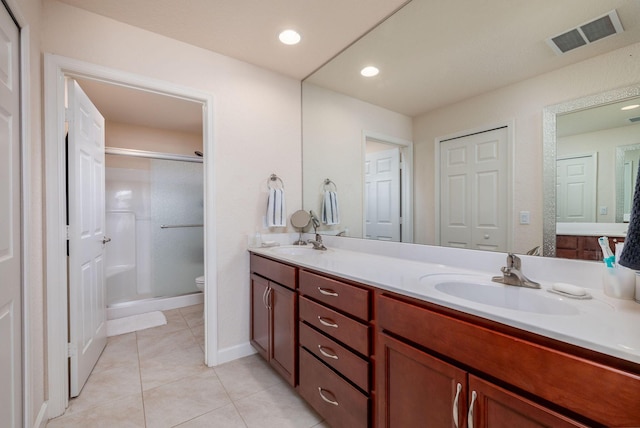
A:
{"points": [[276, 211], [330, 211]]}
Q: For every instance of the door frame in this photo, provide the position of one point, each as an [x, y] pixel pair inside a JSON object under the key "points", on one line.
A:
{"points": [[55, 69], [510, 125], [406, 194], [26, 121]]}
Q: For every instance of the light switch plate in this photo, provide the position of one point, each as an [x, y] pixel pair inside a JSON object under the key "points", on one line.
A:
{"points": [[525, 217]]}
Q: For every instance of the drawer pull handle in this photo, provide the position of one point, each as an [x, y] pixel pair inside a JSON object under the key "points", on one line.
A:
{"points": [[474, 395], [455, 405], [327, 354], [327, 292], [334, 402], [328, 322]]}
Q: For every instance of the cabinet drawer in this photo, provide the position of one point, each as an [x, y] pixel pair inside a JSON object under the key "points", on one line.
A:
{"points": [[337, 294], [277, 272], [341, 404], [337, 356], [347, 330]]}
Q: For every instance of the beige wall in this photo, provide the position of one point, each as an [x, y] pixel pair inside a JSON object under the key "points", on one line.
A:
{"points": [[522, 102], [256, 131], [333, 126], [127, 136]]}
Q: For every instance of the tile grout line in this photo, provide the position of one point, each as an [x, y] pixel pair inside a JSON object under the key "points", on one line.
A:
{"points": [[144, 412]]}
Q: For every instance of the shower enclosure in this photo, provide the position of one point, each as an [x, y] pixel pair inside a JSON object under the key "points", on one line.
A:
{"points": [[154, 217]]}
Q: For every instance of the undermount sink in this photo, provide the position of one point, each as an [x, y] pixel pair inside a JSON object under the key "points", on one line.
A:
{"points": [[293, 250], [503, 296]]}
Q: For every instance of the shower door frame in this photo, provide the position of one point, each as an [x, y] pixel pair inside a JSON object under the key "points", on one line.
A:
{"points": [[55, 69]]}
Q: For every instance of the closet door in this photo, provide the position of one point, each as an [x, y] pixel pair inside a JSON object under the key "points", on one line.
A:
{"points": [[10, 226]]}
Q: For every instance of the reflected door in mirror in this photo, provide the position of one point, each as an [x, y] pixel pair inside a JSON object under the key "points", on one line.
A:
{"points": [[474, 191]]}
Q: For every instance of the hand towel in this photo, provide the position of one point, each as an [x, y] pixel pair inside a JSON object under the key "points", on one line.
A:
{"points": [[276, 211], [330, 211], [630, 256]]}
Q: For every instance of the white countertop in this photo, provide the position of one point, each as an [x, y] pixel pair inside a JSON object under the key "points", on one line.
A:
{"points": [[603, 324]]}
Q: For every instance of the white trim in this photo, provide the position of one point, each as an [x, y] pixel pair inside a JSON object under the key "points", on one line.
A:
{"points": [[42, 418], [56, 68], [234, 352], [511, 156], [406, 157]]}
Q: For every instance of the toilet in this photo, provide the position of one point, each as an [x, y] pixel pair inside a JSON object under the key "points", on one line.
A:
{"points": [[200, 283]]}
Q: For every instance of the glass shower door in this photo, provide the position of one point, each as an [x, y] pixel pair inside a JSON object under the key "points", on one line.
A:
{"points": [[177, 233]]}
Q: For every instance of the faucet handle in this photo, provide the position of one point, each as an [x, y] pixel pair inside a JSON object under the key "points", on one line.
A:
{"points": [[513, 261]]}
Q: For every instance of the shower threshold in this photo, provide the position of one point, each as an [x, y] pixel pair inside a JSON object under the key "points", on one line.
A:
{"points": [[136, 307]]}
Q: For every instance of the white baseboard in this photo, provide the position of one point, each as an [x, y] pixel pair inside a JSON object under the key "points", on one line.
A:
{"points": [[234, 352], [42, 418]]}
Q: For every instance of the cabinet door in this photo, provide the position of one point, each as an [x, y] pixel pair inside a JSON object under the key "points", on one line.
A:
{"points": [[283, 312], [495, 407], [416, 389], [259, 315]]}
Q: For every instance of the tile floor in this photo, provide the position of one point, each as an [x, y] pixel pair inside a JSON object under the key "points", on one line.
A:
{"points": [[156, 378]]}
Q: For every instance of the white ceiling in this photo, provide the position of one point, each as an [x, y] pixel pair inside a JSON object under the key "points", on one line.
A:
{"points": [[243, 29], [461, 48], [248, 29], [435, 53]]}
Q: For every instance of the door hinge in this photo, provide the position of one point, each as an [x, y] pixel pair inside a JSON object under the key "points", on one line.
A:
{"points": [[72, 350], [66, 232]]}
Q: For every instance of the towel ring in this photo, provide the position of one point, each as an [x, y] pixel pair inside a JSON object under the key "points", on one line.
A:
{"points": [[328, 183], [272, 182]]}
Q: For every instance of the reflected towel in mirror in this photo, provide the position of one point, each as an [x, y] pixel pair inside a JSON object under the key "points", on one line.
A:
{"points": [[330, 211], [630, 256], [276, 211]]}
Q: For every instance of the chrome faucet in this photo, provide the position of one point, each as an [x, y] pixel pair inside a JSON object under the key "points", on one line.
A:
{"points": [[512, 274], [317, 243]]}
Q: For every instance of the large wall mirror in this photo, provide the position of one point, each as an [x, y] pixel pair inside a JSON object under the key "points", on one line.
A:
{"points": [[592, 150], [400, 149]]}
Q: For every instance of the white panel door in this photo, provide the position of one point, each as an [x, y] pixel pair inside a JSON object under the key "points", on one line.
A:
{"points": [[10, 226], [87, 298], [473, 180], [576, 189], [382, 195]]}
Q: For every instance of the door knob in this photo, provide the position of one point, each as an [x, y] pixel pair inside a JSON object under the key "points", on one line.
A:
{"points": [[105, 240]]}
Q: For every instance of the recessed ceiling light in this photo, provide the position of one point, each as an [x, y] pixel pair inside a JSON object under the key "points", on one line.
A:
{"points": [[631, 107], [289, 37], [369, 71]]}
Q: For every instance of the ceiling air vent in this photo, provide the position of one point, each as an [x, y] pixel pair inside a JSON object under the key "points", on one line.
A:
{"points": [[586, 33], [634, 119]]}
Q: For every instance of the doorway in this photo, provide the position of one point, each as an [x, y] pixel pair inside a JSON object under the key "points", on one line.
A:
{"points": [[56, 69], [388, 184]]}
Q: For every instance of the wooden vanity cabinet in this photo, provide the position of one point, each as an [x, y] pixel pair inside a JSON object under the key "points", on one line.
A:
{"points": [[516, 382], [335, 349], [274, 314], [422, 390]]}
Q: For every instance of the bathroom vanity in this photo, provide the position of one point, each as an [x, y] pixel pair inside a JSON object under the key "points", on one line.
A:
{"points": [[374, 341]]}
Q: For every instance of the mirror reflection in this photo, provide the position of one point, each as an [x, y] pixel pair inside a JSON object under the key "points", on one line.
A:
{"points": [[450, 70]]}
